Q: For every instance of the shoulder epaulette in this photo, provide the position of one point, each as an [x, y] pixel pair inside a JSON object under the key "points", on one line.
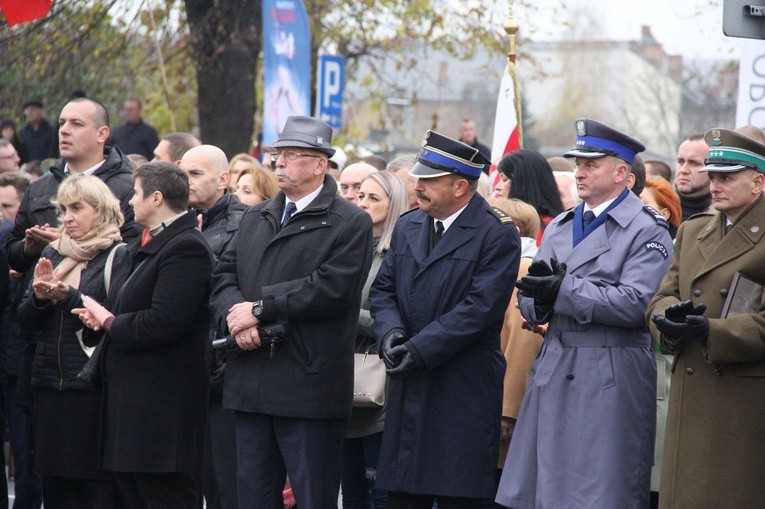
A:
{"points": [[701, 214], [660, 220], [409, 211], [503, 216]]}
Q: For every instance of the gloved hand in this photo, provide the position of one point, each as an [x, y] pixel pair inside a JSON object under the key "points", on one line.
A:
{"points": [[686, 323], [678, 312], [393, 339], [406, 364], [542, 282]]}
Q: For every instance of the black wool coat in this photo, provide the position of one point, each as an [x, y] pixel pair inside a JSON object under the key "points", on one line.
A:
{"points": [[154, 371], [309, 275]]}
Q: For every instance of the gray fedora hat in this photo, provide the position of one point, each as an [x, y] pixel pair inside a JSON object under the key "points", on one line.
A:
{"points": [[305, 132]]}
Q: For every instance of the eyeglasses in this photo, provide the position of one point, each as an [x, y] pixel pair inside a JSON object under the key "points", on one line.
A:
{"points": [[290, 155]]}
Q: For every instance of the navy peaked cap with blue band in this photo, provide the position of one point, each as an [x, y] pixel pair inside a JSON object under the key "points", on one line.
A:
{"points": [[594, 140], [441, 156], [730, 151]]}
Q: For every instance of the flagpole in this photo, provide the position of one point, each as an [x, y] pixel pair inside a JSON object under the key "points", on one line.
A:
{"points": [[511, 28]]}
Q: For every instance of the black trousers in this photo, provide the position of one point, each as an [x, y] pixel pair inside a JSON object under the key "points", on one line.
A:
{"points": [[269, 448], [71, 493], [399, 500], [159, 491]]}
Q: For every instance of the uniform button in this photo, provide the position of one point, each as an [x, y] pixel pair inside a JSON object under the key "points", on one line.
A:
{"points": [[717, 372], [302, 227], [569, 377], [689, 371], [697, 293], [724, 292]]}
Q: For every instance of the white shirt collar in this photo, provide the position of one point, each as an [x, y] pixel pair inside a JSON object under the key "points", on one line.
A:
{"points": [[89, 171], [600, 208], [449, 220], [304, 201]]}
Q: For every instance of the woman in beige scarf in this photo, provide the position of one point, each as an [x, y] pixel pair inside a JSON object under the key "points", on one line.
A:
{"points": [[65, 417]]}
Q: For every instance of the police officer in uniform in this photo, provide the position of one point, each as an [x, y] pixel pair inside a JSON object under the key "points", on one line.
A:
{"points": [[438, 305], [585, 431]]}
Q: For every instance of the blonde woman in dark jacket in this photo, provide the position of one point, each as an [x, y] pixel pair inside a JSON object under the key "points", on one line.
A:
{"points": [[65, 416]]}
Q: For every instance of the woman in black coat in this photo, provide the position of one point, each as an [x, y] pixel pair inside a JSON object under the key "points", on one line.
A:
{"points": [[65, 413], [154, 369]]}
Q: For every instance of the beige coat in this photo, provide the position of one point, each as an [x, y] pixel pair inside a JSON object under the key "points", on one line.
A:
{"points": [[714, 453], [521, 347]]}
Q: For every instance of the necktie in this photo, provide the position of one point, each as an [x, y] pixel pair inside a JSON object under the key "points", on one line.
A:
{"points": [[145, 236], [288, 211], [588, 218], [439, 232]]}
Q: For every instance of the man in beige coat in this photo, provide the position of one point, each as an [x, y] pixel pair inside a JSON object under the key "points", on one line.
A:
{"points": [[715, 436]]}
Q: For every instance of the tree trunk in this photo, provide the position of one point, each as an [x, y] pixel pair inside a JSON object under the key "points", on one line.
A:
{"points": [[226, 38]]}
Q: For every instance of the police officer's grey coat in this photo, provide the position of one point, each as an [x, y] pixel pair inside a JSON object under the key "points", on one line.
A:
{"points": [[715, 439], [585, 431], [441, 433]]}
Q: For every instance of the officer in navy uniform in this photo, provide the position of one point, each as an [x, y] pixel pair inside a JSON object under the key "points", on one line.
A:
{"points": [[585, 431], [438, 304]]}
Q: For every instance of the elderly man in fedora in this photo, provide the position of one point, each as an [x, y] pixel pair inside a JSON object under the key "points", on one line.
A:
{"points": [[297, 266]]}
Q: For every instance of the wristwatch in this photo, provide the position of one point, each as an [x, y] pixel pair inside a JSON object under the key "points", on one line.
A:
{"points": [[257, 308]]}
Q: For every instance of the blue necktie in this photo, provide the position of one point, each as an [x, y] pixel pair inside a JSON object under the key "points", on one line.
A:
{"points": [[588, 218], [288, 211]]}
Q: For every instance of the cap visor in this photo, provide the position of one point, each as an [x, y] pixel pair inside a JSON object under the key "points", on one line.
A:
{"points": [[584, 153], [421, 171], [724, 168]]}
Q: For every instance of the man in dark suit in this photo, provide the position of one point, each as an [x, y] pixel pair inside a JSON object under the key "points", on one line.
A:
{"points": [[298, 264], [438, 304], [154, 364]]}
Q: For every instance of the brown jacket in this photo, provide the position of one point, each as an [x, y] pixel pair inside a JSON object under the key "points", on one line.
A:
{"points": [[715, 436], [520, 347]]}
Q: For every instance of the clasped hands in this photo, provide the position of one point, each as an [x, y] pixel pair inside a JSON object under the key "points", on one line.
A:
{"points": [[542, 283], [45, 286], [243, 326], [399, 361], [684, 321]]}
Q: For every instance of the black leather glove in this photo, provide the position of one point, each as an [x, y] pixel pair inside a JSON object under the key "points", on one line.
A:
{"points": [[693, 326], [406, 364], [393, 339], [542, 282], [678, 312]]}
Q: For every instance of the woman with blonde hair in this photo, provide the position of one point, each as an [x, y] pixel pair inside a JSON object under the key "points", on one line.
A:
{"points": [[237, 165], [85, 259], [255, 185], [384, 197]]}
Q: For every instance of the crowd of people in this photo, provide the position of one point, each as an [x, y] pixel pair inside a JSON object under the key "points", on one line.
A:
{"points": [[181, 328]]}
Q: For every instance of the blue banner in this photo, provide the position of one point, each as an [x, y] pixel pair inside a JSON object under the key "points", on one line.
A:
{"points": [[286, 64], [329, 90]]}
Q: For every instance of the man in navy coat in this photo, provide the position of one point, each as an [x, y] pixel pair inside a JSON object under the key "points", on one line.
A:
{"points": [[438, 305]]}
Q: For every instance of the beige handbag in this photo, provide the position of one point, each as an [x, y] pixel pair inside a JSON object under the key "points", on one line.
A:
{"points": [[368, 380]]}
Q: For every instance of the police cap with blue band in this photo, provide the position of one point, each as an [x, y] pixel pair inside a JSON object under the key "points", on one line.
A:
{"points": [[441, 156], [730, 151], [594, 140]]}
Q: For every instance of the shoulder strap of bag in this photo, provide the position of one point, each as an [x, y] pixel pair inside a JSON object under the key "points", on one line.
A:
{"points": [[108, 266]]}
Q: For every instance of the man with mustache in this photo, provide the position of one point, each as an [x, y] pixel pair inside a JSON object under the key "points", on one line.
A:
{"points": [[298, 264], [438, 305]]}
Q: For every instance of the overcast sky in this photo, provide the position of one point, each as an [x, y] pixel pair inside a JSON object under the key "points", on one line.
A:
{"points": [[692, 28]]}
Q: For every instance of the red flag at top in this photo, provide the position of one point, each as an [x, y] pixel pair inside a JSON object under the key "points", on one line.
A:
{"points": [[19, 11]]}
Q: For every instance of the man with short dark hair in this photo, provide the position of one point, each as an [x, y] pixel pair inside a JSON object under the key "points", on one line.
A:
{"points": [[288, 290], [172, 147], [438, 305], [468, 136], [714, 323], [83, 130], [134, 136], [691, 184], [13, 186], [38, 135], [9, 158], [585, 430], [657, 168]]}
